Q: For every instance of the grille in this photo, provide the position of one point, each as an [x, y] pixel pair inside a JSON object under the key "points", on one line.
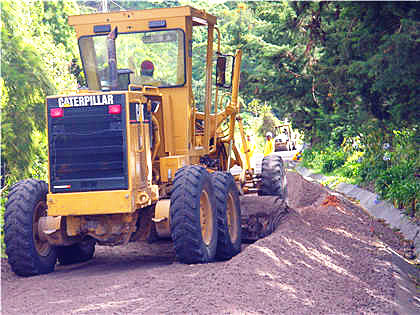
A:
{"points": [[87, 150]]}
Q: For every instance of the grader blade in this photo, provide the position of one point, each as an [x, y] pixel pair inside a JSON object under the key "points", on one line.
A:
{"points": [[260, 215]]}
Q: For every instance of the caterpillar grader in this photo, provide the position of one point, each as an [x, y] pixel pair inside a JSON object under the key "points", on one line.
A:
{"points": [[135, 155]]}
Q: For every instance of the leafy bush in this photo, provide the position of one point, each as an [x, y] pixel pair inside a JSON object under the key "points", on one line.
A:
{"points": [[325, 160], [371, 168], [308, 156], [351, 169], [389, 167], [333, 159], [399, 184]]}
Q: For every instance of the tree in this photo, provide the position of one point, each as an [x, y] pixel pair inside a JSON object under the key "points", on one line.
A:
{"points": [[336, 68], [34, 64]]}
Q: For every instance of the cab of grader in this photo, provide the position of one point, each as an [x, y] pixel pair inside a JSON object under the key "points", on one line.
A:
{"points": [[131, 156]]}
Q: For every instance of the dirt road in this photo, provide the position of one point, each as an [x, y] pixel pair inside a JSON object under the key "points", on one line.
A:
{"points": [[327, 257]]}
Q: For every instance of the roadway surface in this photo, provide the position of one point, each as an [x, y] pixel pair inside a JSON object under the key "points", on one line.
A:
{"points": [[327, 257]]}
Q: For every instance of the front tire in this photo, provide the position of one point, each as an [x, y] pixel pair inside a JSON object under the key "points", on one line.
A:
{"points": [[28, 254], [193, 216], [273, 177], [76, 253], [229, 238]]}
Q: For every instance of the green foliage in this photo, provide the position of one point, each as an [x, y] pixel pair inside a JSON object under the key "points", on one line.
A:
{"points": [[336, 68], [308, 157], [55, 15], [392, 168], [266, 121], [399, 184], [38, 46], [333, 160], [269, 122], [34, 64], [344, 71], [325, 160]]}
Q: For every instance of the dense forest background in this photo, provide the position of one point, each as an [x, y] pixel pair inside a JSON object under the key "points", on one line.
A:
{"points": [[346, 74]]}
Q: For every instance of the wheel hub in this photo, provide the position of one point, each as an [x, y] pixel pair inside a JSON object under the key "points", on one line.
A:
{"points": [[206, 218], [231, 215], [41, 244]]}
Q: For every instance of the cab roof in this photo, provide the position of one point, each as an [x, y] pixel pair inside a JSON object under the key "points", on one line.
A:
{"points": [[199, 17]]}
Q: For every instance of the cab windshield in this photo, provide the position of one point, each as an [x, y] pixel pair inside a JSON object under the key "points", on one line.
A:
{"points": [[154, 58]]}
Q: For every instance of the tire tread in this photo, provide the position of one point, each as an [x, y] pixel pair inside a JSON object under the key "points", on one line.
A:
{"points": [[185, 218], [20, 249], [224, 184]]}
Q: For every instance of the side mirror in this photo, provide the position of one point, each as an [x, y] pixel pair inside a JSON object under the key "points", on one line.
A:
{"points": [[224, 68], [221, 71]]}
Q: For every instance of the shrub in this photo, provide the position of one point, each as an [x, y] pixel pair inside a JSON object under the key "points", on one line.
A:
{"points": [[391, 168], [308, 156], [399, 184], [333, 160], [351, 169]]}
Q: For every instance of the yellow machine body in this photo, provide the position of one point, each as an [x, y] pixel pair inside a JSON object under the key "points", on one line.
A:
{"points": [[182, 134]]}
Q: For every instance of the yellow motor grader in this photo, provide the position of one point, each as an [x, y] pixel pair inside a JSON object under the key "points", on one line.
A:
{"points": [[135, 156]]}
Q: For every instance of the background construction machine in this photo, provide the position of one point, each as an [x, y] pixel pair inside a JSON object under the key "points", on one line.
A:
{"points": [[131, 159], [285, 139]]}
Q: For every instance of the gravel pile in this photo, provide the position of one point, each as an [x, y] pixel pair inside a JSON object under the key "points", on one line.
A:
{"points": [[326, 257]]}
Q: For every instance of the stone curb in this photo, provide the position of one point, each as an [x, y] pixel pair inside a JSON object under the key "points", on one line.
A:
{"points": [[370, 202]]}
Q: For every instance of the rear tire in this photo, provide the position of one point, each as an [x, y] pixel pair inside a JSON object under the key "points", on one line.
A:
{"points": [[76, 253], [28, 254], [229, 239], [193, 216], [273, 177]]}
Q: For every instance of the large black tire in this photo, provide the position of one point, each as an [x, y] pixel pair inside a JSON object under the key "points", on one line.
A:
{"points": [[228, 207], [273, 177], [28, 255], [193, 218], [76, 253]]}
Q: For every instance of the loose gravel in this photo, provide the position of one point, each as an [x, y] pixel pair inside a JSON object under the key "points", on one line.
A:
{"points": [[327, 257]]}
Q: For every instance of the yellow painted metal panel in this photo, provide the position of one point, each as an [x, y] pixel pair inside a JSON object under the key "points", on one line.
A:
{"points": [[162, 218], [168, 124], [151, 14], [95, 202], [169, 165], [207, 105], [129, 26], [179, 106], [131, 158]]}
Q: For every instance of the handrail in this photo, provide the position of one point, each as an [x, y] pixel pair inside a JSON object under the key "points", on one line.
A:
{"points": [[157, 136]]}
